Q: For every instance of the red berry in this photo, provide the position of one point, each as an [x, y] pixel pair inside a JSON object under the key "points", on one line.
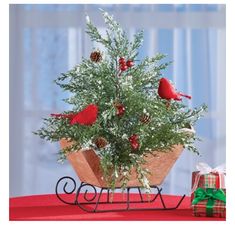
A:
{"points": [[134, 141], [123, 67], [129, 63], [135, 145], [134, 137], [120, 110], [122, 60]]}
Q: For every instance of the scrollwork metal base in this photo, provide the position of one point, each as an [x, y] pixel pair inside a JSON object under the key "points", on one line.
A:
{"points": [[100, 201]]}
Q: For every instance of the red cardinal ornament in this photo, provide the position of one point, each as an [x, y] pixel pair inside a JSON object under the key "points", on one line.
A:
{"points": [[134, 140], [167, 91], [87, 116]]}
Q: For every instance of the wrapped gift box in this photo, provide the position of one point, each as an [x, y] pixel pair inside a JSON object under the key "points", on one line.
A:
{"points": [[206, 177], [211, 206], [209, 180]]}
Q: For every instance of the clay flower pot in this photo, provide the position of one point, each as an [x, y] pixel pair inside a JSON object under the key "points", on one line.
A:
{"points": [[87, 166]]}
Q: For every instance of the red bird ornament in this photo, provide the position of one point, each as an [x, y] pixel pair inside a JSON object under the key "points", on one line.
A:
{"points": [[87, 116], [167, 91]]}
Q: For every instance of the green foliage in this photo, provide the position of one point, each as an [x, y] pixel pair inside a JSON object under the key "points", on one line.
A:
{"points": [[103, 84]]}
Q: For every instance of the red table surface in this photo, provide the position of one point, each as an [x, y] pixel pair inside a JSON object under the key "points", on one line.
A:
{"points": [[49, 207]]}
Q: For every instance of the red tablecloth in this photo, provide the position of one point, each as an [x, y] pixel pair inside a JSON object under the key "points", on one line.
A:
{"points": [[49, 207]]}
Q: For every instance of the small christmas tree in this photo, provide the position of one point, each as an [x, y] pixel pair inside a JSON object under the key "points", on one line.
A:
{"points": [[122, 108]]}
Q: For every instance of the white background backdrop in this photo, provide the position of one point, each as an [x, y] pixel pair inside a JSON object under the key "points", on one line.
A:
{"points": [[46, 40]]}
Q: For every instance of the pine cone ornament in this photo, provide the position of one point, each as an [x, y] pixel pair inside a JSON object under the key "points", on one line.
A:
{"points": [[145, 119], [100, 142], [96, 56]]}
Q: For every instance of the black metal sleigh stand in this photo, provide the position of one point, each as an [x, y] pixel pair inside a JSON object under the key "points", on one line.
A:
{"points": [[90, 199]]}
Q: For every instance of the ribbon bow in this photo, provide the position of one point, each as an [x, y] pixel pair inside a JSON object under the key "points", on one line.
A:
{"points": [[211, 195], [204, 168], [208, 194]]}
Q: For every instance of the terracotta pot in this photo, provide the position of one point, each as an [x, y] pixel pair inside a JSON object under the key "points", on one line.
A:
{"points": [[87, 166]]}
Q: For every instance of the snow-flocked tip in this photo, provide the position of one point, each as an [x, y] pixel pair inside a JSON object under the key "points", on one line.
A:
{"points": [[88, 19], [105, 14]]}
